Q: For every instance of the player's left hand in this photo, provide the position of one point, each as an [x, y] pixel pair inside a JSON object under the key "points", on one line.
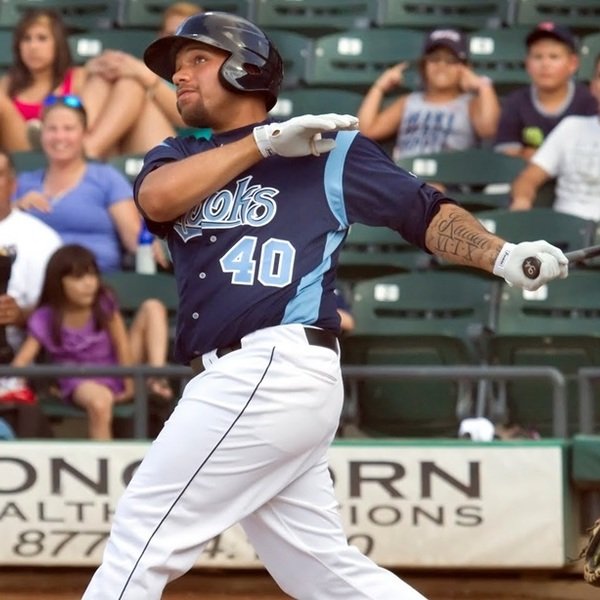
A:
{"points": [[509, 264], [301, 136]]}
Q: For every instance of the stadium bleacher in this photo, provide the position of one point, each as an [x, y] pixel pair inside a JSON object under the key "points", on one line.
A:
{"points": [[333, 51]]}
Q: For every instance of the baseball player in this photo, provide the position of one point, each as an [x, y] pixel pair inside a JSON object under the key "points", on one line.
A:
{"points": [[255, 218]]}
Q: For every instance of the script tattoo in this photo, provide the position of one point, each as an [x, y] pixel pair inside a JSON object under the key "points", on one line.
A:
{"points": [[459, 235]]}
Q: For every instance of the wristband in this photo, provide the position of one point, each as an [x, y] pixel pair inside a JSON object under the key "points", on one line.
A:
{"points": [[263, 141], [502, 259]]}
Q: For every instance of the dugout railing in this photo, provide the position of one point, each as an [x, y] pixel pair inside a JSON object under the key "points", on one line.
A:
{"points": [[351, 373]]}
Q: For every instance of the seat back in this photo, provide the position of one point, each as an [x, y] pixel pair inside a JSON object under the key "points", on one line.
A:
{"points": [[468, 175], [129, 164], [590, 49], [89, 44], [77, 15], [370, 252], [500, 55], [430, 14], [149, 13], [296, 50], [566, 231], [314, 17], [580, 15], [353, 59], [28, 160], [133, 288], [292, 103], [558, 326], [416, 319]]}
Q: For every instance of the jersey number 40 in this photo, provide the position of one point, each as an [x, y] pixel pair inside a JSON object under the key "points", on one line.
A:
{"points": [[273, 268]]}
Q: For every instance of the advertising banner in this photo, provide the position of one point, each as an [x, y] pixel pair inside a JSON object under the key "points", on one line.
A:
{"points": [[405, 505]]}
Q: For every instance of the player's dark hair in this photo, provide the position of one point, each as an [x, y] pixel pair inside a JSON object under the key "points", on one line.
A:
{"points": [[19, 75], [75, 260]]}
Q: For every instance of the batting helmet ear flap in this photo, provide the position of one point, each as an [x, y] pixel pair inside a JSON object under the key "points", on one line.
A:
{"points": [[253, 65]]}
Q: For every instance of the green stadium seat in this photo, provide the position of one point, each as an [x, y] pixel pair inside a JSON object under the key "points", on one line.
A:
{"points": [[430, 14], [6, 55], [479, 178], [500, 55], [85, 46], [557, 326], [315, 17], [77, 15], [353, 59], [568, 232], [148, 13], [417, 319], [370, 252], [133, 288], [295, 50], [582, 16], [28, 160], [129, 164], [589, 51], [291, 103]]}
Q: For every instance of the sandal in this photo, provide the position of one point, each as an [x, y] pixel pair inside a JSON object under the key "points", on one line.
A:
{"points": [[160, 388]]}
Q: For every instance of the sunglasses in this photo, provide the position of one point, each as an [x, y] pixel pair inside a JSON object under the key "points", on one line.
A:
{"points": [[68, 100]]}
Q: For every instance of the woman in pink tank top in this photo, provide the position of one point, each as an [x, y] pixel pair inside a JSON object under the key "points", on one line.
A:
{"points": [[42, 65]]}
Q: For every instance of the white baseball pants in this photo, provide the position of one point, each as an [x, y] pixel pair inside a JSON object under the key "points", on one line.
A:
{"points": [[247, 443]]}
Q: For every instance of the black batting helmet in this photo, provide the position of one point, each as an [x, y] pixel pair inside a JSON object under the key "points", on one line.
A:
{"points": [[254, 64]]}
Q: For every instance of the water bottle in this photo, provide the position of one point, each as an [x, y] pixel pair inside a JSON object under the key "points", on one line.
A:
{"points": [[144, 257]]}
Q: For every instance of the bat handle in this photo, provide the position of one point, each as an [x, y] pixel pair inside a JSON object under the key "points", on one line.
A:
{"points": [[531, 267]]}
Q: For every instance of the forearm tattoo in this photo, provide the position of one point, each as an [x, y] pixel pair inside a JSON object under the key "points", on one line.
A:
{"points": [[459, 237]]}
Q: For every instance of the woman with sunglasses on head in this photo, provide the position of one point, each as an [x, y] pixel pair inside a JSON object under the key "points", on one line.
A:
{"points": [[87, 203], [455, 110]]}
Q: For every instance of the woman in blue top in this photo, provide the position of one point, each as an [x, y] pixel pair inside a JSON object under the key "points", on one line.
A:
{"points": [[87, 203]]}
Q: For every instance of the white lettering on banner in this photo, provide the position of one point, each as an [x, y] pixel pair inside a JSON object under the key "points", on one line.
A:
{"points": [[403, 505]]}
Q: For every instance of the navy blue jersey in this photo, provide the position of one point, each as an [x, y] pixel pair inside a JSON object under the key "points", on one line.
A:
{"points": [[524, 123], [263, 250]]}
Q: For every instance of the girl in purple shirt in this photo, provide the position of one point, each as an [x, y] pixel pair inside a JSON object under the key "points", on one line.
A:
{"points": [[78, 322]]}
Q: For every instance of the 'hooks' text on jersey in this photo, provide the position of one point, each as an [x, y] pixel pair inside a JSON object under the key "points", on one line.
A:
{"points": [[252, 205]]}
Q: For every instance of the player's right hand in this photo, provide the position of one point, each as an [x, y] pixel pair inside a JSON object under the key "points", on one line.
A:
{"points": [[301, 136], [509, 264]]}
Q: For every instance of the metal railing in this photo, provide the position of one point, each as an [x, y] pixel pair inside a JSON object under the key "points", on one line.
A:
{"points": [[139, 374], [475, 373]]}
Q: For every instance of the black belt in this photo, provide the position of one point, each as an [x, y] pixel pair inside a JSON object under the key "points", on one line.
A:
{"points": [[315, 337]]}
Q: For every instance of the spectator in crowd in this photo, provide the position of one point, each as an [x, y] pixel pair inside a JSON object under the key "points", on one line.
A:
{"points": [[454, 111], [85, 202], [130, 108], [25, 246], [42, 65], [530, 113], [29, 243], [78, 322], [571, 154]]}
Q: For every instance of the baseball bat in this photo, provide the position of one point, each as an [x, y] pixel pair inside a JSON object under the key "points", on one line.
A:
{"points": [[531, 265]]}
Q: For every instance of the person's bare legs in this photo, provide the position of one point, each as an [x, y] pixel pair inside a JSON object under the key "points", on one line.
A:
{"points": [[112, 120], [122, 118], [149, 341], [149, 129], [13, 127], [97, 400]]}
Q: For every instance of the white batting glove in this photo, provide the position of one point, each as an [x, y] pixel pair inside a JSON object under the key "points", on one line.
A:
{"points": [[509, 264], [301, 136]]}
